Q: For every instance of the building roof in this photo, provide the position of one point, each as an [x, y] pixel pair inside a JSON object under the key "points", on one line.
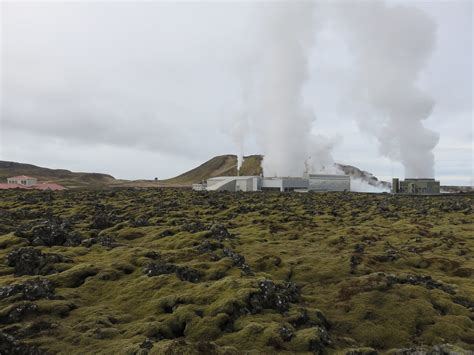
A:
{"points": [[42, 186], [21, 177], [329, 176], [48, 186], [12, 186]]}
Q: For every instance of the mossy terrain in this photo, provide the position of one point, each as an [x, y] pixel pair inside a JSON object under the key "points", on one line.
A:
{"points": [[172, 271]]}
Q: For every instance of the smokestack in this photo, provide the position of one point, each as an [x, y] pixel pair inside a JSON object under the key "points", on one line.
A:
{"points": [[395, 186]]}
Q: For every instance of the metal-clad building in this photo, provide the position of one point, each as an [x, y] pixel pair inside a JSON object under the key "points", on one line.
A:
{"points": [[423, 186], [234, 183], [258, 183], [326, 182], [284, 183]]}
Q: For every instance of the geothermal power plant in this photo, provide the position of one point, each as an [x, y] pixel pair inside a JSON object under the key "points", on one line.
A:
{"points": [[309, 182]]}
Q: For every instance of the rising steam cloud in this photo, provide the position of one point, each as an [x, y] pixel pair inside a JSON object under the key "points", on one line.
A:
{"points": [[282, 123], [392, 45]]}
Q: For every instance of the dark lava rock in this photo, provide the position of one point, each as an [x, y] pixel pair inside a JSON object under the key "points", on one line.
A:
{"points": [[53, 231], [359, 248], [362, 351], [11, 346], [355, 260], [30, 290], [237, 260], [140, 222], [188, 274], [464, 302], [390, 255], [184, 273], [443, 349], [219, 232], [193, 227], [103, 219], [18, 312], [147, 344], [208, 246], [31, 261], [105, 241], [425, 281], [286, 333], [34, 328], [274, 296], [166, 233]]}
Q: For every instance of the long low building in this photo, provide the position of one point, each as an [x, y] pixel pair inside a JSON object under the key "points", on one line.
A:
{"points": [[424, 186], [258, 183]]}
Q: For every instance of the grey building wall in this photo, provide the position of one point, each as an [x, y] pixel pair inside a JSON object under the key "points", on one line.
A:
{"points": [[325, 182], [26, 182], [419, 186]]}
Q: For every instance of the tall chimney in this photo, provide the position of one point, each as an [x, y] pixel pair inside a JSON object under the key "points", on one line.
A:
{"points": [[395, 186]]}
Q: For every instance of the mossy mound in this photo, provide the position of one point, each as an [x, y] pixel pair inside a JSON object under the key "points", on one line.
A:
{"points": [[168, 271]]}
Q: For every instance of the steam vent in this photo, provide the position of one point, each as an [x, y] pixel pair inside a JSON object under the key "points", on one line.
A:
{"points": [[422, 186]]}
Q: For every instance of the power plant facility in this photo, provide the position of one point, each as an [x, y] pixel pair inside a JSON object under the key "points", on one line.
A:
{"points": [[423, 186], [311, 182]]}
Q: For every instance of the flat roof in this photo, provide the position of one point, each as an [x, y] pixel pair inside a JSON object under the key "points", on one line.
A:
{"points": [[329, 176], [419, 179], [233, 177]]}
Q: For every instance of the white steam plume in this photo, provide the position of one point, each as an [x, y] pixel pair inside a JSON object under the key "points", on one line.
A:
{"points": [[391, 46], [282, 124]]}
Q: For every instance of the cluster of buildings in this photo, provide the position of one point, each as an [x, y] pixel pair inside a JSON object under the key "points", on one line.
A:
{"points": [[309, 182], [29, 183]]}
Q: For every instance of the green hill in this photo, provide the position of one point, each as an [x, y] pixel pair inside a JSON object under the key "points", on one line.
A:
{"points": [[222, 165], [60, 176], [251, 165]]}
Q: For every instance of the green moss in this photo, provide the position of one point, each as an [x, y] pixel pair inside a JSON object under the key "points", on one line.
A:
{"points": [[105, 303]]}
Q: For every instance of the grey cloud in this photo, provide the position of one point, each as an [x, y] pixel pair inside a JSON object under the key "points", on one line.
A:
{"points": [[164, 81]]}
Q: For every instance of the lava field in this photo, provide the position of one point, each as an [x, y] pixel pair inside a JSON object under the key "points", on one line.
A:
{"points": [[172, 271]]}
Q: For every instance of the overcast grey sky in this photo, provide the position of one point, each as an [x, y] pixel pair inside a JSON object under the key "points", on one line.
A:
{"points": [[145, 89]]}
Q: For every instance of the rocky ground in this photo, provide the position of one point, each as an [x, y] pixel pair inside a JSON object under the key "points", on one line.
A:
{"points": [[165, 271]]}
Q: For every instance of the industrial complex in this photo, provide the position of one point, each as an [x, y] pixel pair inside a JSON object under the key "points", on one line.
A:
{"points": [[259, 183]]}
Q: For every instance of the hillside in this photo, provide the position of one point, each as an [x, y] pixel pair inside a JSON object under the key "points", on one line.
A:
{"points": [[222, 165], [60, 176], [251, 165]]}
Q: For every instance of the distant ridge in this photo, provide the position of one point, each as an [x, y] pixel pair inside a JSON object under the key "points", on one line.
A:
{"points": [[60, 176], [221, 165]]}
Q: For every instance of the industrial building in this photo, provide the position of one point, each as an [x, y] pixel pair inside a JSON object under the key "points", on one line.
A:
{"points": [[326, 182], [234, 183], [416, 186], [258, 183]]}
